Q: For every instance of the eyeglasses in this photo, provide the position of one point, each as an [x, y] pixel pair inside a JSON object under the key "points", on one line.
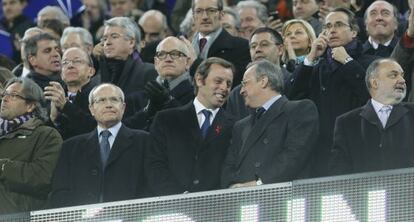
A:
{"points": [[13, 96], [113, 36], [336, 25], [104, 100], [208, 11], [262, 44], [174, 54], [75, 62]]}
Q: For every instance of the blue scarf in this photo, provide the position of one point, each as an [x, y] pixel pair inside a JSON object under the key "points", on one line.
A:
{"points": [[7, 126]]}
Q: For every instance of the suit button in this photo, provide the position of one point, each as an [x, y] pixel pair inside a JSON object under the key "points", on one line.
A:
{"points": [[195, 182], [94, 172], [265, 141], [257, 164]]}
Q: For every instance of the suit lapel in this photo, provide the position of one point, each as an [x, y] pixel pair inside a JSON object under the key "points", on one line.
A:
{"points": [[261, 125], [93, 149], [190, 120], [398, 112], [123, 141], [368, 113], [220, 121]]}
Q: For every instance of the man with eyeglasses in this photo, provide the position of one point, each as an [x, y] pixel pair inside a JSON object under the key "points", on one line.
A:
{"points": [[106, 164], [42, 52], [29, 149], [211, 40], [265, 44], [69, 102], [121, 64], [189, 143], [173, 85], [332, 75]]}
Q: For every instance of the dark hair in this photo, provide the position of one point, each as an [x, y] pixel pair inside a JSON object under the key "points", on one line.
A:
{"points": [[30, 47], [220, 4], [33, 93], [204, 68], [353, 23], [275, 34], [55, 25]]}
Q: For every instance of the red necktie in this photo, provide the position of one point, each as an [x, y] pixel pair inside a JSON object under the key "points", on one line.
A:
{"points": [[203, 42]]}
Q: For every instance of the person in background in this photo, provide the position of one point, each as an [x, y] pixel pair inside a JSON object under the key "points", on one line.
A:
{"points": [[308, 11], [52, 12], [252, 15], [230, 21], [298, 36], [29, 149]]}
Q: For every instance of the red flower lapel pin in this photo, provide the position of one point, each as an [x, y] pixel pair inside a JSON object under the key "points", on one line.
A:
{"points": [[218, 129]]}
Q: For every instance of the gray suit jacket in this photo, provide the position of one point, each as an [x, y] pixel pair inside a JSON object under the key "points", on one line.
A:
{"points": [[276, 148]]}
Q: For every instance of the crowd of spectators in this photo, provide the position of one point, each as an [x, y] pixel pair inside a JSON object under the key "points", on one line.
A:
{"points": [[130, 98]]}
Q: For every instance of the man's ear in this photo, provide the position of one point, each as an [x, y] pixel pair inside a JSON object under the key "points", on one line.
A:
{"points": [[264, 81]]}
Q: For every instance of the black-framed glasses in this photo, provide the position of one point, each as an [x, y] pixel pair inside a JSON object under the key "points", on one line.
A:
{"points": [[174, 54], [13, 96], [208, 11], [336, 25]]}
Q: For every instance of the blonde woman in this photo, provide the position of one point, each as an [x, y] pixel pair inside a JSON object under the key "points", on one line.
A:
{"points": [[298, 36]]}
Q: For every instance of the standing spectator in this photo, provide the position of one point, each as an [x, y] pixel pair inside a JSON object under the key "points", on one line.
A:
{"points": [[377, 136], [121, 66], [15, 23], [332, 75], [190, 142], [381, 21], [106, 164], [28, 149], [211, 40]]}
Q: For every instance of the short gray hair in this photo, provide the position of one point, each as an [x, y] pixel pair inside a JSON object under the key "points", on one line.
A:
{"points": [[129, 26], [372, 70], [91, 96], [234, 14], [155, 13], [271, 71], [83, 33], [58, 11], [33, 93], [260, 9]]}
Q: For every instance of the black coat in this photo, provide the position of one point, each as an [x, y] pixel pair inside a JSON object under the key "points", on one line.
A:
{"points": [[276, 148], [334, 91], [80, 179], [132, 80], [180, 160], [231, 48], [75, 118], [381, 51], [362, 144]]}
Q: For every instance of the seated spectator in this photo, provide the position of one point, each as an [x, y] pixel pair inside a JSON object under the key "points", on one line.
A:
{"points": [[377, 136], [42, 52], [69, 102], [121, 66], [298, 37], [106, 164], [54, 27], [252, 15], [52, 12], [381, 21], [230, 21], [28, 149], [273, 144], [308, 10]]}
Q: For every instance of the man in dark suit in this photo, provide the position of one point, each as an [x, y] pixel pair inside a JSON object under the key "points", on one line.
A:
{"points": [[332, 76], [106, 164], [211, 40], [377, 136], [190, 142], [273, 144], [173, 85], [121, 65], [70, 109]]}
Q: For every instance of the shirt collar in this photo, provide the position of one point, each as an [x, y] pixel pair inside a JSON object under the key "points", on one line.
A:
{"points": [[377, 105], [199, 107], [114, 129], [270, 102], [375, 45]]}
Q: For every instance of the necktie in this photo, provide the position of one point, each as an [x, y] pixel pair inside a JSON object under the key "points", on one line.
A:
{"points": [[259, 112], [166, 84], [202, 43], [383, 114], [71, 98], [105, 147], [206, 124]]}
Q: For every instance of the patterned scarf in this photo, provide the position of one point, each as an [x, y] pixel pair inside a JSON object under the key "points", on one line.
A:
{"points": [[7, 126]]}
